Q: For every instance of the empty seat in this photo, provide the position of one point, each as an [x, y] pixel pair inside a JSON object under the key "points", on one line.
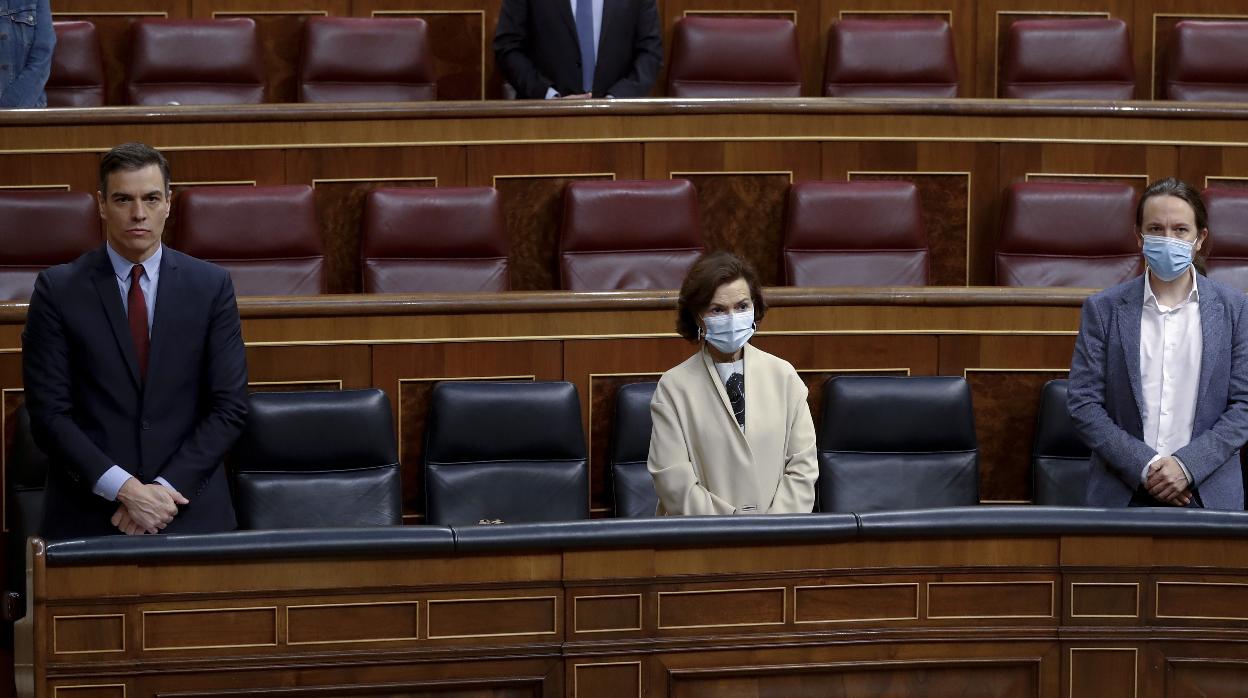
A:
{"points": [[889, 442], [1227, 245], [855, 234], [628, 235], [355, 59], [632, 486], [317, 458], [732, 57], [433, 239], [505, 452], [267, 237], [1207, 61], [1068, 59], [1068, 234], [891, 58], [26, 474], [195, 61], [42, 228], [1059, 460], [77, 77]]}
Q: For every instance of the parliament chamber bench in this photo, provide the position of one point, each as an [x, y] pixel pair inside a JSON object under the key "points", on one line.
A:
{"points": [[984, 601]]}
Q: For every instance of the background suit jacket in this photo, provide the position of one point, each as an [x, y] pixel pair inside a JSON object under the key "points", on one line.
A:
{"points": [[89, 410], [536, 47], [701, 461], [1106, 405]]}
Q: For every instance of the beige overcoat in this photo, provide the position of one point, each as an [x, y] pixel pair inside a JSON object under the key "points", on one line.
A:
{"points": [[703, 463]]}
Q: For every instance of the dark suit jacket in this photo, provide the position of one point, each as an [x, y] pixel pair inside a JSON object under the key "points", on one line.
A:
{"points": [[1107, 409], [89, 410], [535, 46]]}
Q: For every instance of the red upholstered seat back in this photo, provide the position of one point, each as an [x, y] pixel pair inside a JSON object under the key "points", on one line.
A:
{"points": [[732, 57], [891, 58], [1068, 59], [77, 77], [1208, 61], [855, 234], [267, 237], [1227, 245], [438, 239], [195, 61], [353, 59], [1068, 234], [40, 229], [628, 235]]}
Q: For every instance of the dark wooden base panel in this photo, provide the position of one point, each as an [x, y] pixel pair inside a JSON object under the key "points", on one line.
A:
{"points": [[856, 614]]}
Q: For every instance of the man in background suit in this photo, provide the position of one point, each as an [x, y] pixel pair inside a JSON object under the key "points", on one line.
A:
{"points": [[548, 49], [135, 373], [1159, 377]]}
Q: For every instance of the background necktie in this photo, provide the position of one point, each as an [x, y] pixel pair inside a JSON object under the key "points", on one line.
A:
{"points": [[735, 387], [585, 37], [137, 315]]}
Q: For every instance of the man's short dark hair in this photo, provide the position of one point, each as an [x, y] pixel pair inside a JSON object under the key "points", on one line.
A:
{"points": [[708, 273], [129, 157]]}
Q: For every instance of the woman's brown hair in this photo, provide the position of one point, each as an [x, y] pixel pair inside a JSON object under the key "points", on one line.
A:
{"points": [[708, 273]]}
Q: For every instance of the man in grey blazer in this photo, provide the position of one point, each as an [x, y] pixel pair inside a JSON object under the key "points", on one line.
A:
{"points": [[1159, 377]]}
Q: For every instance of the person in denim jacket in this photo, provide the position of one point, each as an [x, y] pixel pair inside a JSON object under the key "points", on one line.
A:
{"points": [[26, 41]]}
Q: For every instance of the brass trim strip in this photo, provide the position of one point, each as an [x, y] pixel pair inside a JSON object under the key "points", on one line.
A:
{"points": [[145, 614], [1135, 677], [340, 180], [554, 624], [576, 605], [56, 690], [1052, 598], [796, 596], [577, 667], [415, 603], [55, 618], [1157, 600], [784, 608], [1136, 585]]}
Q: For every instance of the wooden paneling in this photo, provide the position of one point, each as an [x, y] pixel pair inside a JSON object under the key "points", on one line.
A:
{"points": [[989, 678], [493, 617], [1103, 672], [385, 621], [89, 633], [209, 628]]}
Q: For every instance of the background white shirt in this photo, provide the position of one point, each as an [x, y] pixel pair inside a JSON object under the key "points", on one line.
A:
{"points": [[1170, 350]]}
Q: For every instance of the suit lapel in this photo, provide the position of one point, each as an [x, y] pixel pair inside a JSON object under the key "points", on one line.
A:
{"points": [[110, 297], [564, 8], [168, 300], [725, 403], [1212, 331], [1129, 308]]}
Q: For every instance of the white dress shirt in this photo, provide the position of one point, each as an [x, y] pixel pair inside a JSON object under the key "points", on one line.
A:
{"points": [[111, 481], [1170, 350], [551, 93]]}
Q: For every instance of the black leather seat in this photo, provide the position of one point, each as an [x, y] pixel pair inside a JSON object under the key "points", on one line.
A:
{"points": [[632, 486], [316, 459], [26, 474], [888, 442], [503, 451], [1059, 460]]}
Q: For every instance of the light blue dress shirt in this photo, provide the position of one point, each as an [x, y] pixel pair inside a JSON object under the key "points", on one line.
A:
{"points": [[550, 91], [111, 481]]}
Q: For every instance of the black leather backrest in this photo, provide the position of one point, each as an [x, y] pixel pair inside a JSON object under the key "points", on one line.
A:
{"points": [[315, 459], [26, 474], [897, 443], [631, 485], [1059, 460], [506, 451]]}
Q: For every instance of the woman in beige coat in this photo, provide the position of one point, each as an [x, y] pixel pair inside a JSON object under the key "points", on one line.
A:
{"points": [[732, 432]]}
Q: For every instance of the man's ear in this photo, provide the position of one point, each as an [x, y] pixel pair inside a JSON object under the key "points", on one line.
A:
{"points": [[99, 203], [1200, 239]]}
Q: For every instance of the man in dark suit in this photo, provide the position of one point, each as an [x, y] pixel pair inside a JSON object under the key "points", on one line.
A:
{"points": [[579, 48], [135, 373]]}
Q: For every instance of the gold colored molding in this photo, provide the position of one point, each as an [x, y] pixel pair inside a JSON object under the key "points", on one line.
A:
{"points": [[1157, 600], [341, 180], [182, 648], [796, 596], [569, 175], [554, 621], [337, 381], [717, 173], [1073, 585], [56, 690], [55, 618], [1135, 682], [575, 606], [784, 607], [1052, 598], [415, 604], [577, 667], [36, 187]]}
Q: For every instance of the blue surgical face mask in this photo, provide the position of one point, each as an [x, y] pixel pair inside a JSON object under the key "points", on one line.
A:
{"points": [[1167, 257], [729, 332]]}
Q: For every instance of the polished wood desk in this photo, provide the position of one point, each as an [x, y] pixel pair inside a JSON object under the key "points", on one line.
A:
{"points": [[973, 602]]}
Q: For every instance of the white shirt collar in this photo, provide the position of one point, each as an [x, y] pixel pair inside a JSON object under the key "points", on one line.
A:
{"points": [[1192, 296]]}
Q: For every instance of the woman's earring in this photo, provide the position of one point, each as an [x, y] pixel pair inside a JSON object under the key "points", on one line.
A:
{"points": [[701, 333]]}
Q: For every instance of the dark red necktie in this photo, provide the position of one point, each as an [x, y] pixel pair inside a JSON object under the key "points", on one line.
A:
{"points": [[138, 318]]}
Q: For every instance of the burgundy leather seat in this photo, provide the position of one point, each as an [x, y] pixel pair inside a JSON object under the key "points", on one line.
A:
{"points": [[1208, 61], [267, 237], [41, 229], [891, 58], [440, 239], [731, 57], [1068, 59], [77, 77], [855, 234], [195, 61], [1068, 234], [628, 235], [1228, 235], [354, 59]]}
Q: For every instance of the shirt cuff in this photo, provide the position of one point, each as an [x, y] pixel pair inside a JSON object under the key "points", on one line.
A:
{"points": [[110, 483], [1149, 464], [165, 482], [1186, 473], [551, 94]]}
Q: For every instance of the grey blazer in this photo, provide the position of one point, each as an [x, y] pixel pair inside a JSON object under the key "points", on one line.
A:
{"points": [[1106, 406]]}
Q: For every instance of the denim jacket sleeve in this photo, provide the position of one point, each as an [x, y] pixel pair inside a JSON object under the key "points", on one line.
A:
{"points": [[29, 52]]}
